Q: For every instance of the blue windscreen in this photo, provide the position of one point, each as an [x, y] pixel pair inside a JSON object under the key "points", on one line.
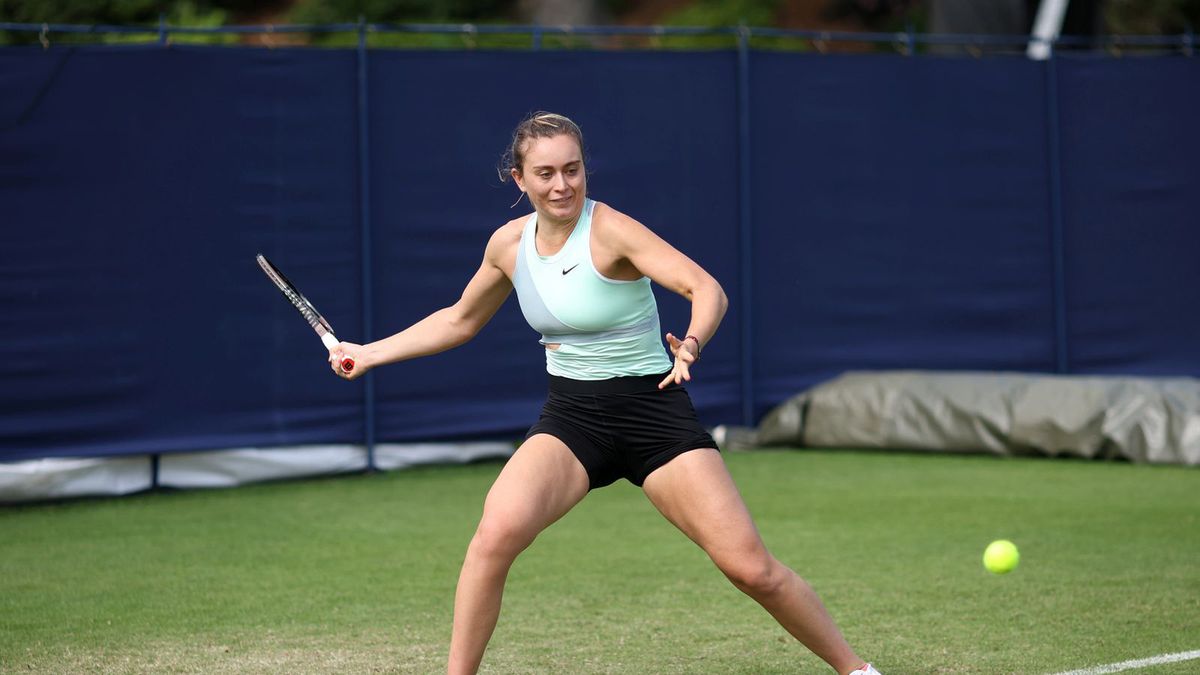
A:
{"points": [[973, 214]]}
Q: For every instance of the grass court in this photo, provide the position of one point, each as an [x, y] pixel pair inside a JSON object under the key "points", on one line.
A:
{"points": [[357, 573]]}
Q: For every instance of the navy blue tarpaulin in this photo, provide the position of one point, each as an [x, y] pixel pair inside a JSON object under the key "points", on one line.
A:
{"points": [[986, 214]]}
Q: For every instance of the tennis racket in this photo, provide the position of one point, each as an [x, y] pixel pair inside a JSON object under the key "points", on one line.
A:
{"points": [[301, 303]]}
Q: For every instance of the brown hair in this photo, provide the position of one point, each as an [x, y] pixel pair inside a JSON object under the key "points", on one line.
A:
{"points": [[540, 124]]}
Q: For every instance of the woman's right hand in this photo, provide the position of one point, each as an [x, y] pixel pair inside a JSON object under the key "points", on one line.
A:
{"points": [[348, 350]]}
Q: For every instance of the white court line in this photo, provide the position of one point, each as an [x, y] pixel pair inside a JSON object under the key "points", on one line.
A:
{"points": [[1136, 663]]}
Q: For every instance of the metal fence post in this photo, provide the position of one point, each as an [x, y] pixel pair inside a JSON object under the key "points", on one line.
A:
{"points": [[1057, 243], [364, 217], [745, 239]]}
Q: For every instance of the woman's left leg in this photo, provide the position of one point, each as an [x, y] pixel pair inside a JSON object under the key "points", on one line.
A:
{"points": [[696, 493]]}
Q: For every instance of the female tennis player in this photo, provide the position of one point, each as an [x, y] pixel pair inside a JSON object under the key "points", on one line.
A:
{"points": [[616, 406]]}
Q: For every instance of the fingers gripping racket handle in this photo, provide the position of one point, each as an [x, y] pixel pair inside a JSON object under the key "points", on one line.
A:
{"points": [[331, 343]]}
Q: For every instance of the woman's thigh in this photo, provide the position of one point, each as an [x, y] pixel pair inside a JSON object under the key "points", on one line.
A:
{"points": [[539, 484], [696, 493]]}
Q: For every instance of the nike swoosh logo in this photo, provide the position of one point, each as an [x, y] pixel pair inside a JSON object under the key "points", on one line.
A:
{"points": [[566, 271]]}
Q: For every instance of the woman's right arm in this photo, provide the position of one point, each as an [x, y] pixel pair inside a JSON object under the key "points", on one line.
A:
{"points": [[444, 329]]}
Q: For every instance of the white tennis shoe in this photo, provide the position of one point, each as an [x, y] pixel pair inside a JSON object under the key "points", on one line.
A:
{"points": [[867, 669]]}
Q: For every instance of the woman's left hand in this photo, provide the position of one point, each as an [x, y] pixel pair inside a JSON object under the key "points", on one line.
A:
{"points": [[686, 352]]}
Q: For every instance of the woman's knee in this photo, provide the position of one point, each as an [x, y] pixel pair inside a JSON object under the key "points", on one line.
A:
{"points": [[757, 576], [501, 538]]}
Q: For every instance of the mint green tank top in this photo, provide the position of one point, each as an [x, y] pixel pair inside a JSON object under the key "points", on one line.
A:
{"points": [[605, 327]]}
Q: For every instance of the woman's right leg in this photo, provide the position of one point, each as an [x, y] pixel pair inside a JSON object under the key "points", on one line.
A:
{"points": [[538, 485]]}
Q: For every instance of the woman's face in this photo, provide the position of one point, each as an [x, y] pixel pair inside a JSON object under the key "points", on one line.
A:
{"points": [[553, 177]]}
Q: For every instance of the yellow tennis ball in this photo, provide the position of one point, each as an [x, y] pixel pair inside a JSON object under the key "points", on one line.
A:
{"points": [[1001, 556]]}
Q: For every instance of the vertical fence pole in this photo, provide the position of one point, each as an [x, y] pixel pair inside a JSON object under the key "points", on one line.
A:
{"points": [[744, 229], [156, 459], [364, 216], [1057, 244]]}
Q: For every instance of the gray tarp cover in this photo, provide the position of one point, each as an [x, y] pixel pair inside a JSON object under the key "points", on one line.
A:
{"points": [[1153, 420]]}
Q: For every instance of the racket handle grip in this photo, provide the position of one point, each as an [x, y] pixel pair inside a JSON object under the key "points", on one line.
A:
{"points": [[331, 343]]}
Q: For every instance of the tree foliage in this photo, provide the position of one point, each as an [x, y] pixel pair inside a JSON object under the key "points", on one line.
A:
{"points": [[402, 11], [82, 11], [1144, 17], [725, 13], [1152, 17]]}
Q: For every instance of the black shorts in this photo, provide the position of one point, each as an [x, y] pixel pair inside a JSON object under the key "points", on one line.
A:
{"points": [[624, 427]]}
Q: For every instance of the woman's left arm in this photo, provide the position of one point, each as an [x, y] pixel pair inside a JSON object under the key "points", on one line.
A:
{"points": [[625, 239]]}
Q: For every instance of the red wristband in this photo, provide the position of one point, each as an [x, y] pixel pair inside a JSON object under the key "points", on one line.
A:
{"points": [[697, 340]]}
